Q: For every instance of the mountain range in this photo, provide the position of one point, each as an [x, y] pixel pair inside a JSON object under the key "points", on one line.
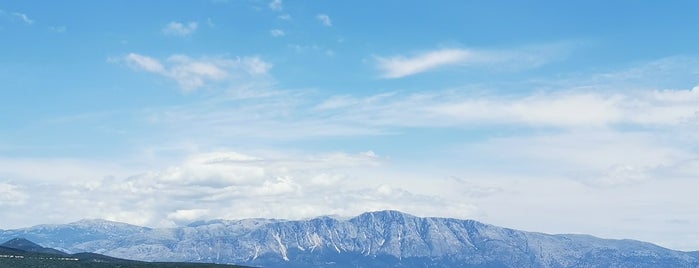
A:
{"points": [[20, 252], [372, 239]]}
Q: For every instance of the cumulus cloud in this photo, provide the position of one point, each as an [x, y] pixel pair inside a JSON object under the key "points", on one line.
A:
{"points": [[191, 74], [324, 19], [180, 29], [231, 185]]}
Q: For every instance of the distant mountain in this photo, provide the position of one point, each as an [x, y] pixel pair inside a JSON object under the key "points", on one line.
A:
{"points": [[20, 252], [374, 239], [29, 246]]}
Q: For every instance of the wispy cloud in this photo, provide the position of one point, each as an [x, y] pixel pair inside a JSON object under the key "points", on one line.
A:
{"points": [[301, 49], [276, 5], [191, 74], [524, 57], [324, 19], [277, 32], [16, 16], [58, 29], [346, 115], [146, 63], [400, 66], [180, 29], [559, 109], [23, 17]]}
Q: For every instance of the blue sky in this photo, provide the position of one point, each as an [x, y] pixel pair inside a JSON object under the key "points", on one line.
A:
{"points": [[551, 116]]}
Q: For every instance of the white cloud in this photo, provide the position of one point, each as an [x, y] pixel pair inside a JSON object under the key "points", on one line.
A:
{"points": [[187, 215], [553, 110], [303, 117], [595, 157], [191, 74], [58, 29], [400, 66], [16, 16], [255, 66], [324, 19], [639, 212], [277, 32], [284, 17], [145, 63], [522, 57], [276, 5], [180, 29], [224, 185], [23, 17], [10, 194], [68, 170], [565, 109]]}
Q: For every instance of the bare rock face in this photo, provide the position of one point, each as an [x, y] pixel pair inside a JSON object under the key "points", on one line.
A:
{"points": [[373, 239]]}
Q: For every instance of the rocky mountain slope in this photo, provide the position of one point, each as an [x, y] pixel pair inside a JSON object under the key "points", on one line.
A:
{"points": [[374, 239], [20, 252]]}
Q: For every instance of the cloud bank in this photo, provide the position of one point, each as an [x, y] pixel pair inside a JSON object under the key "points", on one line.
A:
{"points": [[227, 184]]}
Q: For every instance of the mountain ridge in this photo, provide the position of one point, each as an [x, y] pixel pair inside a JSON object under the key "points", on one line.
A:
{"points": [[371, 239], [29, 246], [20, 252]]}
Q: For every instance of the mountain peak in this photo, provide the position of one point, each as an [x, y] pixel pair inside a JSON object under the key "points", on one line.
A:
{"points": [[97, 222], [385, 214], [20, 243], [29, 246], [105, 224]]}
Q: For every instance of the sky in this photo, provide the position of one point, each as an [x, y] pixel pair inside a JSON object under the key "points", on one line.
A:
{"points": [[547, 116]]}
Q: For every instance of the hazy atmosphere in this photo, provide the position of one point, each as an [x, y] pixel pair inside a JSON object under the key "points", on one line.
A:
{"points": [[549, 116]]}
